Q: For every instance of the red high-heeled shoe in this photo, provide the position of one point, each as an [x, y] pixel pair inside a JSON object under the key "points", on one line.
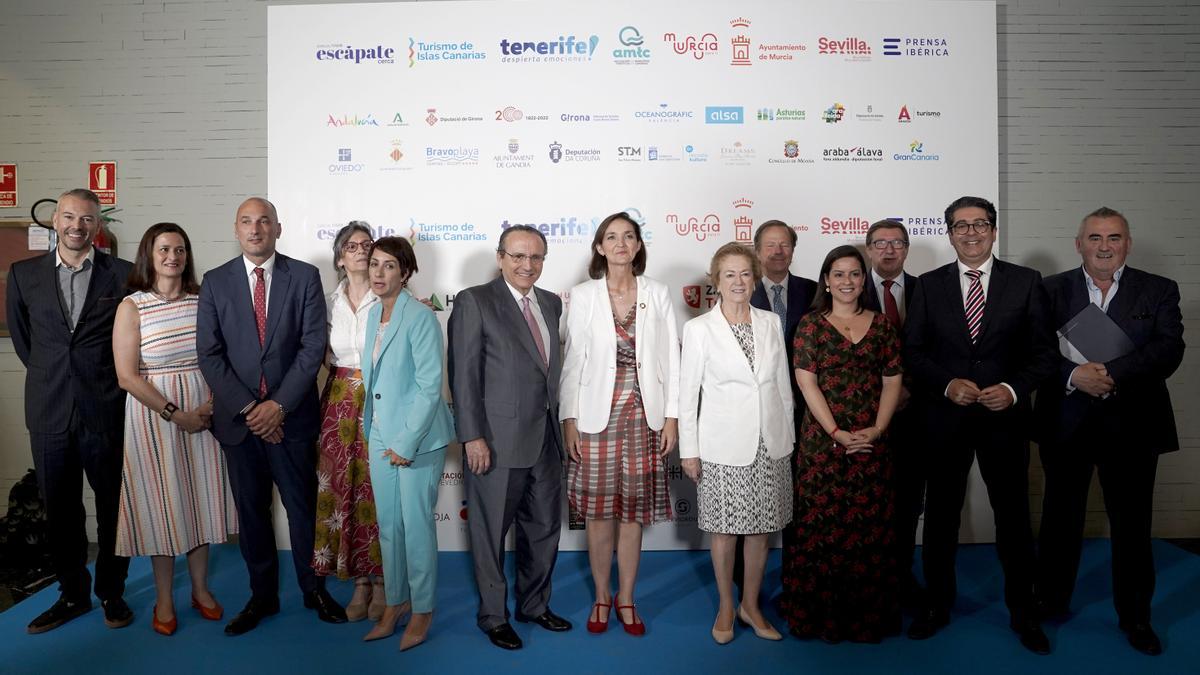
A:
{"points": [[598, 626], [164, 627], [635, 626], [211, 613]]}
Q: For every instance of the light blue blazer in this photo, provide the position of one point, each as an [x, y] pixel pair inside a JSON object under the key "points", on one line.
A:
{"points": [[405, 387]]}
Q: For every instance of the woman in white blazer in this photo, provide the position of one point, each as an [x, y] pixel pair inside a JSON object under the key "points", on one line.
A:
{"points": [[736, 444], [617, 400]]}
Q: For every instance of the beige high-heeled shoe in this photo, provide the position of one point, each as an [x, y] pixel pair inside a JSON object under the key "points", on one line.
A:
{"points": [[722, 637], [383, 630], [357, 609], [768, 633], [417, 630], [378, 600]]}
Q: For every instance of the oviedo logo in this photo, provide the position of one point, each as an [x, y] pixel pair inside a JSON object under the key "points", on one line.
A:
{"points": [[698, 228], [631, 52], [563, 50], [345, 163], [356, 55], [698, 47], [441, 52]]}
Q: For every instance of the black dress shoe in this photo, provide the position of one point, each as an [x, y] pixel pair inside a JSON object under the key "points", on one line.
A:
{"points": [[504, 637], [247, 619], [548, 620], [1032, 636], [927, 624], [1050, 610], [328, 609], [59, 613], [1142, 638], [116, 613]]}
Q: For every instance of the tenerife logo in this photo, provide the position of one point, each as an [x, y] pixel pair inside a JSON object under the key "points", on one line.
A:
{"points": [[790, 155], [439, 231], [631, 52], [855, 154], [513, 159], [907, 116], [780, 115], [916, 153], [355, 55], [846, 226], [563, 50], [664, 113], [916, 46], [723, 114], [441, 52], [351, 121], [451, 156], [699, 228], [855, 49], [698, 47], [573, 155], [345, 163], [834, 113], [740, 43], [565, 230]]}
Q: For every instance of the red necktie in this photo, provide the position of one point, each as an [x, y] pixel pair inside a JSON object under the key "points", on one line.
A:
{"points": [[533, 328], [890, 310], [974, 305], [260, 319]]}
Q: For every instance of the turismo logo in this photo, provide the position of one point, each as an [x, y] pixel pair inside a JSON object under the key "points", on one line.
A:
{"points": [[790, 154], [563, 50], [851, 48], [664, 113], [566, 155], [442, 52], [356, 55], [445, 232], [853, 226], [834, 113], [916, 46], [351, 121], [781, 115], [723, 114], [698, 47], [859, 153], [456, 155], [906, 115], [514, 158], [916, 153], [631, 52], [564, 230], [698, 228], [740, 43]]}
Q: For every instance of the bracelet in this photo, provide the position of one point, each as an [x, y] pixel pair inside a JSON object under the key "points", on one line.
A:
{"points": [[168, 411], [834, 432]]}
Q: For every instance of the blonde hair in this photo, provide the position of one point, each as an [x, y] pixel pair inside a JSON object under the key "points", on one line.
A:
{"points": [[728, 251]]}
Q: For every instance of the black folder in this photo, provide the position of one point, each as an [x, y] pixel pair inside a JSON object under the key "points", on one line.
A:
{"points": [[1094, 335]]}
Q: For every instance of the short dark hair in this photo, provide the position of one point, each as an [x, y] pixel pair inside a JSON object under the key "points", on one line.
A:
{"points": [[343, 235], [402, 251], [142, 277], [886, 225], [522, 228], [730, 250], [81, 193], [769, 224], [823, 300], [966, 203], [599, 264], [1104, 212]]}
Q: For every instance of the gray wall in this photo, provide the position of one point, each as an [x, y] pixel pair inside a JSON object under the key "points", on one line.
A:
{"points": [[1099, 104]]}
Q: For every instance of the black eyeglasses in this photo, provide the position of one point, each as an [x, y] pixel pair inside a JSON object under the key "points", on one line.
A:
{"points": [[976, 226], [520, 258], [880, 244], [355, 246]]}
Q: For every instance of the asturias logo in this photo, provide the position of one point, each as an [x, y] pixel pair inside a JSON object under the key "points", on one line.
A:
{"points": [[563, 50], [631, 53], [357, 55]]}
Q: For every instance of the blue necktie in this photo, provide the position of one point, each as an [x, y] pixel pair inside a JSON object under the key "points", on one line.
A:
{"points": [[778, 308]]}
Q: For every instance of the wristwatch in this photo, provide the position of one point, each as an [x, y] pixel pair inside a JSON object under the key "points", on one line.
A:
{"points": [[168, 411], [282, 411]]}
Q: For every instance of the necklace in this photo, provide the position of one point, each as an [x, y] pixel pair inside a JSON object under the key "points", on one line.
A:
{"points": [[164, 298], [613, 293]]}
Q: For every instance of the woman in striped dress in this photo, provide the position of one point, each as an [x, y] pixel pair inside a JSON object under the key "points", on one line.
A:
{"points": [[175, 495]]}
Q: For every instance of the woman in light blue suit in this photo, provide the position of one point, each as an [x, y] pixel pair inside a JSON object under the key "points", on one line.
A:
{"points": [[408, 426]]}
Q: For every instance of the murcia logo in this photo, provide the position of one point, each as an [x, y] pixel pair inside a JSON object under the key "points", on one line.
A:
{"points": [[698, 47]]}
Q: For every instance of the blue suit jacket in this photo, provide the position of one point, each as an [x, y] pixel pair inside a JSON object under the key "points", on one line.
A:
{"points": [[405, 387], [290, 357]]}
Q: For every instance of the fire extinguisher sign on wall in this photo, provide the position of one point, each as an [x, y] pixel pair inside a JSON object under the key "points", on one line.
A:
{"points": [[102, 179]]}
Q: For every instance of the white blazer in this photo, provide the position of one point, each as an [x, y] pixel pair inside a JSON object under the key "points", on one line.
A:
{"points": [[589, 371], [723, 405]]}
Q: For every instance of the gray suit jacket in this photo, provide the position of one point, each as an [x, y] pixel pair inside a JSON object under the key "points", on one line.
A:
{"points": [[501, 389]]}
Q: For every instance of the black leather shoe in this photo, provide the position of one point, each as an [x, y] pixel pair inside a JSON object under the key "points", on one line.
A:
{"points": [[59, 613], [328, 609], [1142, 638], [504, 637], [548, 620], [1032, 636], [116, 613], [927, 624], [1050, 610], [247, 619]]}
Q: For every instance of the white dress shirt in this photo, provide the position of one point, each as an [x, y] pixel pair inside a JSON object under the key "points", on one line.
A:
{"points": [[769, 287], [1098, 298], [268, 267], [964, 282], [537, 315], [897, 293], [347, 326]]}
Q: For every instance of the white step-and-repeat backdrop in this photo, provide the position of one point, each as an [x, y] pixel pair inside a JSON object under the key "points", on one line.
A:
{"points": [[446, 122]]}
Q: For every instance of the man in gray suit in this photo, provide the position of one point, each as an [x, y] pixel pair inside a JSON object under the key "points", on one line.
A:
{"points": [[504, 371]]}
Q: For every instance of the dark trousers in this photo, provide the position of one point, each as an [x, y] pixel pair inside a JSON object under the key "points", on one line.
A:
{"points": [[530, 499], [61, 461], [908, 484], [1004, 466], [291, 465], [1127, 480]]}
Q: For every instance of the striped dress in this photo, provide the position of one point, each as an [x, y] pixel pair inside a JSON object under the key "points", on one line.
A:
{"points": [[175, 492]]}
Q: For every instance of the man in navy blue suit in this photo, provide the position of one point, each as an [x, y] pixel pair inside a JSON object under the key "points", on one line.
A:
{"points": [[1115, 416], [260, 336]]}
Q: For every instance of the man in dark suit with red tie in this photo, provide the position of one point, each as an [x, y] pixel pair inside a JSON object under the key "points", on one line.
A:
{"points": [[889, 289], [978, 343], [1115, 416]]}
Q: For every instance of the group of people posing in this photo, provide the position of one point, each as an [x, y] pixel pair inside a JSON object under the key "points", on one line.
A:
{"points": [[835, 410]]}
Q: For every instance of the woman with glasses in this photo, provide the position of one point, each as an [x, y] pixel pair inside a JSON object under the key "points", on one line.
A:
{"points": [[347, 534], [839, 573], [618, 404]]}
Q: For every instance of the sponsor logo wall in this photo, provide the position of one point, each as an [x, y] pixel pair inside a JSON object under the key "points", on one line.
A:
{"points": [[701, 118]]}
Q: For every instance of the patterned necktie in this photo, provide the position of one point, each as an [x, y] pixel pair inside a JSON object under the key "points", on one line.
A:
{"points": [[974, 306], [533, 328], [890, 310], [778, 308], [260, 319]]}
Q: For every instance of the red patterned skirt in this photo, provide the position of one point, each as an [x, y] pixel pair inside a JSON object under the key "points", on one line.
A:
{"points": [[347, 536]]}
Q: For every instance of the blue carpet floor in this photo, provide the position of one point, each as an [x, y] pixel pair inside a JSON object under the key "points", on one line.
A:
{"points": [[677, 599]]}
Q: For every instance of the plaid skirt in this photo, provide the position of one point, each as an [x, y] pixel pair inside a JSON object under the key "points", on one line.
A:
{"points": [[622, 477]]}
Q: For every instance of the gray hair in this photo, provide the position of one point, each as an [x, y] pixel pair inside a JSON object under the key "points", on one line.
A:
{"points": [[343, 235]]}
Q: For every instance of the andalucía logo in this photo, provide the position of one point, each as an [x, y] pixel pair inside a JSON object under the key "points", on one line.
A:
{"points": [[916, 46], [631, 52], [855, 154], [698, 47], [451, 156], [916, 153], [740, 43], [565, 230], [441, 52], [351, 121], [834, 113], [563, 50], [356, 55]]}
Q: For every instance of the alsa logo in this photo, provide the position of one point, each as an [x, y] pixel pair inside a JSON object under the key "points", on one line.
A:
{"points": [[850, 46], [723, 114], [563, 49], [698, 47], [347, 53]]}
